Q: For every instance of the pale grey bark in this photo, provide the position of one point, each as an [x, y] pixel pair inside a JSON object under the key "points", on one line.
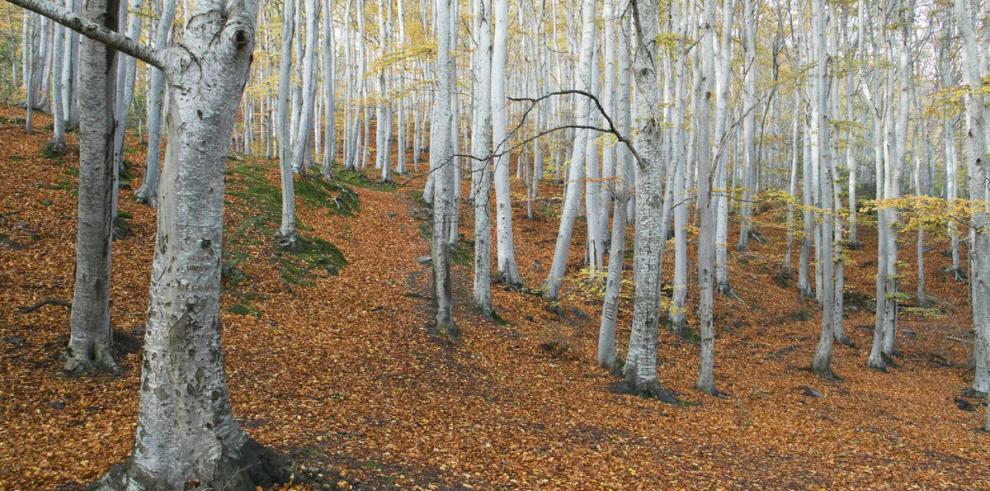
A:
{"points": [[91, 338], [30, 32], [126, 73], [974, 70], [721, 151], [620, 190], [443, 322], [706, 205], [481, 145], [303, 137], [785, 267], [58, 106], [329, 92], [818, 136], [576, 172], [148, 192], [640, 370], [93, 29], [186, 431], [453, 230], [749, 8], [287, 228], [505, 246], [70, 72]]}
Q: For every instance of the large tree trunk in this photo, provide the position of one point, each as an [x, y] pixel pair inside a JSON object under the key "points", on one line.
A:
{"points": [[186, 432], [640, 371], [443, 322], [505, 245], [974, 71], [481, 146], [822, 361], [91, 340]]}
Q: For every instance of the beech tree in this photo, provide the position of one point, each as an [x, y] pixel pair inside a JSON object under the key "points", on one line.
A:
{"points": [[186, 431], [481, 145], [91, 337], [443, 322], [504, 246], [148, 192], [576, 171], [640, 370]]}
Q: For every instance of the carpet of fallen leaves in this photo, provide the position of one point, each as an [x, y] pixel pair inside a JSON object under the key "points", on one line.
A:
{"points": [[342, 377]]}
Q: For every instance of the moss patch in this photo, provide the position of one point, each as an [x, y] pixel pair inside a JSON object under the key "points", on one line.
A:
{"points": [[258, 205]]}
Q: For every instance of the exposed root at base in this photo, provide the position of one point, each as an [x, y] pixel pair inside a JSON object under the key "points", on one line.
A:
{"points": [[248, 468], [652, 390]]}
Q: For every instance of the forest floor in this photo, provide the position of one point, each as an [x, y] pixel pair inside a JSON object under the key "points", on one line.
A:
{"points": [[329, 359]]}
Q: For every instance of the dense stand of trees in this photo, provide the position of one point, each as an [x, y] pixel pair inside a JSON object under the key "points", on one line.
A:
{"points": [[654, 115]]}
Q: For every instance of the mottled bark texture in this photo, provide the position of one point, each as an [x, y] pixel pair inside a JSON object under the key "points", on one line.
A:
{"points": [[186, 432], [90, 339]]}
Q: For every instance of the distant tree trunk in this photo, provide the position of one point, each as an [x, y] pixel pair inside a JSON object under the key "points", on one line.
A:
{"points": [[575, 174], [58, 106], [443, 321], [70, 72], [329, 92], [148, 192], [691, 141], [945, 77], [607, 355], [91, 338], [723, 85], [749, 122], [822, 361], [126, 73], [453, 230], [30, 27], [481, 149], [302, 143], [785, 267], [505, 245], [706, 204], [287, 229]]}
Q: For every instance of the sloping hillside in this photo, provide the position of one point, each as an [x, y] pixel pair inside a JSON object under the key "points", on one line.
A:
{"points": [[329, 360]]}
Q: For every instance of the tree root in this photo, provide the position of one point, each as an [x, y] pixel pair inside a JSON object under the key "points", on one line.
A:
{"points": [[248, 468], [726, 290], [100, 359], [844, 340], [650, 390], [41, 303]]}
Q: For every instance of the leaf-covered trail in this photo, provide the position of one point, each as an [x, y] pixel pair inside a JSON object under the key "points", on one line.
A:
{"points": [[342, 376]]}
